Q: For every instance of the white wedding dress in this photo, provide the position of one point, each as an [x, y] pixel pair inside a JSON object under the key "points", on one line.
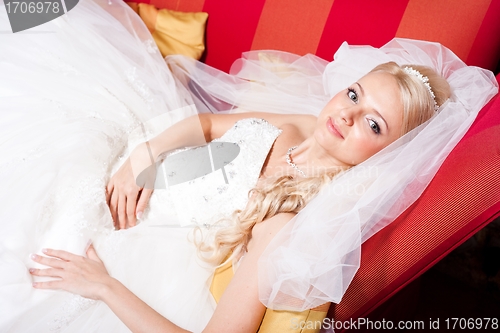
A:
{"points": [[70, 97]]}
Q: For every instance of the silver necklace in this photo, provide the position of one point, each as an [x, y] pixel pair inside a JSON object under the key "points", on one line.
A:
{"points": [[290, 163]]}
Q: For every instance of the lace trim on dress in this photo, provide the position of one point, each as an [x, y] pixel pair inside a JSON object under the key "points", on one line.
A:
{"points": [[208, 199]]}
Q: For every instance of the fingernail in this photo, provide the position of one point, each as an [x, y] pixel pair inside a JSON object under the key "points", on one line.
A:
{"points": [[31, 270], [33, 256], [45, 250], [34, 284], [139, 215]]}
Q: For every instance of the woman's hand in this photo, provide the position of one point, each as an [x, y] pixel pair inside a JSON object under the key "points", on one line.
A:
{"points": [[88, 277], [79, 275], [130, 188]]}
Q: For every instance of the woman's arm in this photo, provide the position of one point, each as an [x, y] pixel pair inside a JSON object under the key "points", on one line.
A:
{"points": [[88, 277], [202, 128], [127, 199], [137, 315], [126, 196], [239, 309]]}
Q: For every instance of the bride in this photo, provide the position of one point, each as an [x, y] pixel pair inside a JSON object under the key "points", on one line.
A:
{"points": [[88, 96]]}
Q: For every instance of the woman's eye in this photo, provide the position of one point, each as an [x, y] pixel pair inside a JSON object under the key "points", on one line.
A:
{"points": [[374, 126], [351, 93]]}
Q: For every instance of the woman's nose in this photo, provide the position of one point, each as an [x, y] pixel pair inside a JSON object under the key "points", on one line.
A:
{"points": [[347, 115]]}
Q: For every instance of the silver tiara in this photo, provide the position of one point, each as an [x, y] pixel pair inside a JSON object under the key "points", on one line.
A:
{"points": [[425, 81]]}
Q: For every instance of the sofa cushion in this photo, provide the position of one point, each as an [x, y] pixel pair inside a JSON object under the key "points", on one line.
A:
{"points": [[174, 32]]}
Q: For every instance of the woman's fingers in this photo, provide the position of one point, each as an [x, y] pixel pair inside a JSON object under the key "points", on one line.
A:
{"points": [[131, 204], [143, 201], [109, 192], [47, 261], [122, 195], [122, 216], [113, 208], [78, 275], [57, 284], [50, 272], [92, 254], [123, 207], [61, 254]]}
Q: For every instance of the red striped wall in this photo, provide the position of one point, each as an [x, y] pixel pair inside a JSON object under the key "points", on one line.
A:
{"points": [[470, 28], [231, 28], [299, 31], [485, 51], [360, 22], [432, 20], [182, 6]]}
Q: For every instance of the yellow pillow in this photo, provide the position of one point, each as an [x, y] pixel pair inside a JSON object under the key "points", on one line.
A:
{"points": [[308, 321], [174, 32]]}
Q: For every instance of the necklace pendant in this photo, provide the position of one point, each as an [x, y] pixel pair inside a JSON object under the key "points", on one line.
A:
{"points": [[290, 162]]}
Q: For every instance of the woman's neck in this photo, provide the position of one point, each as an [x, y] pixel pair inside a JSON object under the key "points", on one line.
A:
{"points": [[314, 160]]}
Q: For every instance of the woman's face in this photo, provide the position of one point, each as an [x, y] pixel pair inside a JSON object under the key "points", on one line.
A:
{"points": [[362, 119]]}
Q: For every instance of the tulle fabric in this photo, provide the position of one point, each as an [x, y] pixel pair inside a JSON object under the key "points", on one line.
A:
{"points": [[314, 258], [73, 91], [119, 81]]}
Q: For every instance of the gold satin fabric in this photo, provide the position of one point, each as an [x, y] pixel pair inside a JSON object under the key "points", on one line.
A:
{"points": [[308, 321], [174, 32]]}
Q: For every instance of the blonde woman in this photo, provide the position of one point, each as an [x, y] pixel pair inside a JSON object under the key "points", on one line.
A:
{"points": [[329, 154], [355, 124]]}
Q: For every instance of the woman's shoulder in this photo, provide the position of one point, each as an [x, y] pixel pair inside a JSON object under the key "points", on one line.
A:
{"points": [[302, 123], [263, 232]]}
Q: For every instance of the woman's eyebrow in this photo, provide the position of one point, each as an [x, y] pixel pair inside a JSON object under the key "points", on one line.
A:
{"points": [[360, 88], [374, 110]]}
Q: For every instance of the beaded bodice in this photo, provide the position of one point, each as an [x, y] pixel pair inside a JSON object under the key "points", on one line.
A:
{"points": [[205, 200]]}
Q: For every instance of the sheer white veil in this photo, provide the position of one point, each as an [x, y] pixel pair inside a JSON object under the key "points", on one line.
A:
{"points": [[314, 258]]}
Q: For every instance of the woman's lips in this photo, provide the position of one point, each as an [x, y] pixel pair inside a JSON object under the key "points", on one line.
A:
{"points": [[333, 128]]}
